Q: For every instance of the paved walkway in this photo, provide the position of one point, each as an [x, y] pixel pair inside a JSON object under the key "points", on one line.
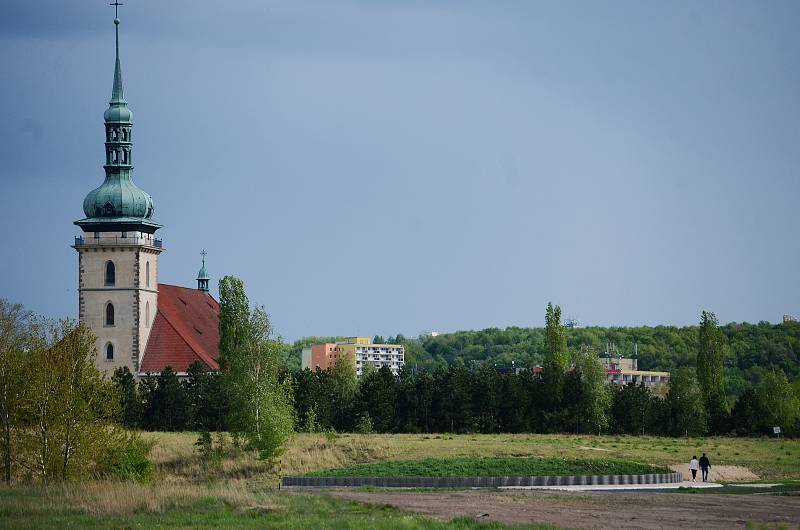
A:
{"points": [[622, 487]]}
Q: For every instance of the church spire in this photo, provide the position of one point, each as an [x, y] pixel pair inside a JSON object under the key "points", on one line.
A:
{"points": [[118, 204], [118, 111], [117, 95], [202, 276]]}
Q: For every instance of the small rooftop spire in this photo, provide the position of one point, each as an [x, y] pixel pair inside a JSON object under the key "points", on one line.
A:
{"points": [[202, 276], [116, 93]]}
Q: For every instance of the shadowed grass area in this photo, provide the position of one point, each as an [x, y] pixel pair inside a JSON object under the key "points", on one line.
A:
{"points": [[491, 467], [205, 507]]}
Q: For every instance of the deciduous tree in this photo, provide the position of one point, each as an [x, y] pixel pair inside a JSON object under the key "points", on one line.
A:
{"points": [[687, 408], [777, 404], [14, 339], [556, 357], [711, 370], [596, 396], [72, 409], [260, 403]]}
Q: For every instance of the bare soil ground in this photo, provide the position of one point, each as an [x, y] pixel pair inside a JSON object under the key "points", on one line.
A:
{"points": [[644, 510], [719, 473]]}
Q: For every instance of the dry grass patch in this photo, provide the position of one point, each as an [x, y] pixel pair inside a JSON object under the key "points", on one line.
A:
{"points": [[174, 458], [120, 498]]}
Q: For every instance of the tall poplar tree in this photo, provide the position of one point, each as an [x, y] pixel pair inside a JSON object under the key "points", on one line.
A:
{"points": [[710, 370], [234, 317], [260, 402], [556, 357]]}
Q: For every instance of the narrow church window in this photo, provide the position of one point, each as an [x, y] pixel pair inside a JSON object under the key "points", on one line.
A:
{"points": [[111, 273], [109, 314], [147, 274], [147, 315], [109, 352]]}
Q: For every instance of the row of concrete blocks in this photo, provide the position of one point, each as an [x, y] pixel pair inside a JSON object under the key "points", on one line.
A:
{"points": [[481, 482]]}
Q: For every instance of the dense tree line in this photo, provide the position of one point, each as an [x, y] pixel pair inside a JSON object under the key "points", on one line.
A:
{"points": [[752, 351], [461, 399], [570, 395]]}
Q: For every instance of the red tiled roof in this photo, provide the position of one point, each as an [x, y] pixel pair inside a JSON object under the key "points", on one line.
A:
{"points": [[185, 330]]}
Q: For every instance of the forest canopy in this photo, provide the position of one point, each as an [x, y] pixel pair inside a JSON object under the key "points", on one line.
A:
{"points": [[753, 349]]}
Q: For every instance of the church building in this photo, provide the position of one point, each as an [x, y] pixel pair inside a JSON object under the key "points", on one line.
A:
{"points": [[139, 323]]}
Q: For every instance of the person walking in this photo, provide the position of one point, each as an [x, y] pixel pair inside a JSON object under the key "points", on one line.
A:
{"points": [[705, 465], [694, 465]]}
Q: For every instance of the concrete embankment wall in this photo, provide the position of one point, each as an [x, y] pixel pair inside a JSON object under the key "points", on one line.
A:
{"points": [[480, 482]]}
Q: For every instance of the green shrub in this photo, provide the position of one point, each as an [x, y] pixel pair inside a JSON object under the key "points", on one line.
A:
{"points": [[364, 424], [212, 450], [131, 462]]}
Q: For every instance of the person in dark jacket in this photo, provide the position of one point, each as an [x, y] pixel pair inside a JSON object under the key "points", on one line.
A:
{"points": [[705, 465]]}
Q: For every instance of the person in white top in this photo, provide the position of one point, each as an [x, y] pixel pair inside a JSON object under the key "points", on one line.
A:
{"points": [[694, 465]]}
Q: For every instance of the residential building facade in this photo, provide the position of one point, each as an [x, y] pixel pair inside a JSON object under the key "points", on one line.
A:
{"points": [[622, 371], [358, 350]]}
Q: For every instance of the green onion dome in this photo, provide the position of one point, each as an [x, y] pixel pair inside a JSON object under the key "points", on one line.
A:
{"points": [[118, 196], [118, 112]]}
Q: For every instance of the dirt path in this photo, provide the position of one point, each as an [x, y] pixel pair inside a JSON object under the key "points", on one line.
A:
{"points": [[595, 510], [719, 473]]}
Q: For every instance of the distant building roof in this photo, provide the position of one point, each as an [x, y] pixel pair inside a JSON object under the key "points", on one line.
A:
{"points": [[185, 330]]}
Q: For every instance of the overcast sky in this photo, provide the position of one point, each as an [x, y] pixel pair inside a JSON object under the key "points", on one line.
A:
{"points": [[389, 166]]}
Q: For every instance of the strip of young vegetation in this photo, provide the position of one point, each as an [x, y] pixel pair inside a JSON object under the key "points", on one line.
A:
{"points": [[492, 467], [230, 505]]}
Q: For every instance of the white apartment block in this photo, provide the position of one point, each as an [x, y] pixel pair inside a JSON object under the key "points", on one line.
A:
{"points": [[391, 355]]}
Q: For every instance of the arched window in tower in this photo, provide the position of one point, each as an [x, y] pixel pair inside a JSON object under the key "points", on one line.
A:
{"points": [[111, 273], [109, 314], [109, 352], [147, 315], [147, 274]]}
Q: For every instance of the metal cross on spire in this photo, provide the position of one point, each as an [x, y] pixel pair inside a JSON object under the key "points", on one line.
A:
{"points": [[203, 253], [116, 6]]}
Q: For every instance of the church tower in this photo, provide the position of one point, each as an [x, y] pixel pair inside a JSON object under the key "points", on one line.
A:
{"points": [[118, 252]]}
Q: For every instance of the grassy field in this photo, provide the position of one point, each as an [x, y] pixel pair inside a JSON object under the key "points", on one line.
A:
{"points": [[224, 505], [240, 491], [772, 459], [491, 467]]}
